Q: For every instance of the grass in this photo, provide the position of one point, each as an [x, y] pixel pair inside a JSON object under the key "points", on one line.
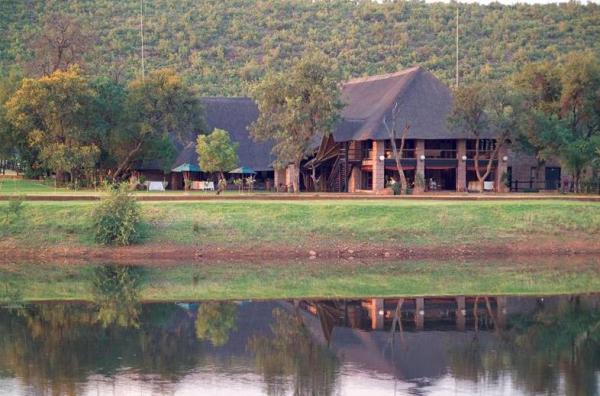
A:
{"points": [[25, 186], [307, 224], [311, 279], [46, 187]]}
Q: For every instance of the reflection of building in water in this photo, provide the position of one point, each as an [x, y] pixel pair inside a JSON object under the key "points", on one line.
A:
{"points": [[525, 345], [420, 313], [433, 337]]}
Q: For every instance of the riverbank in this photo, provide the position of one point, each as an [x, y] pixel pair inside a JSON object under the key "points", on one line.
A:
{"points": [[184, 281], [247, 230]]}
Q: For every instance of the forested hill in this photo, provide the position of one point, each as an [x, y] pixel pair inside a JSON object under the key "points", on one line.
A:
{"points": [[219, 45]]}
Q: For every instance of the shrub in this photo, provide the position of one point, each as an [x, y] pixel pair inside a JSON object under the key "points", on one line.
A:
{"points": [[15, 205], [117, 219], [13, 209]]}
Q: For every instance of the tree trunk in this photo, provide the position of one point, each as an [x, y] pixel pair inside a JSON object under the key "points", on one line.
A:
{"points": [[125, 163], [481, 178], [314, 178], [296, 177], [398, 157]]}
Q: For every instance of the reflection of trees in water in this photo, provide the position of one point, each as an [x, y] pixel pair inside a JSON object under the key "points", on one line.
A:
{"points": [[537, 348], [291, 352], [215, 321], [116, 291], [54, 347]]}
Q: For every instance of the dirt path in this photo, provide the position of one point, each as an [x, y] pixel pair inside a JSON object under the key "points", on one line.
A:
{"points": [[177, 253]]}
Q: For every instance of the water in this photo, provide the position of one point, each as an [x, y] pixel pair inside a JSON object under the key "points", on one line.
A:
{"points": [[428, 346]]}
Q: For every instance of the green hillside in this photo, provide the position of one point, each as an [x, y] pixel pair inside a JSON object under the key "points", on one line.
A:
{"points": [[221, 45]]}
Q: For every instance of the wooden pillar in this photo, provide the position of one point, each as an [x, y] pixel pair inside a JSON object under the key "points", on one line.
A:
{"points": [[461, 313], [501, 312], [501, 169], [461, 169], [419, 312], [420, 171], [354, 182], [378, 165], [279, 178], [377, 313], [174, 181]]}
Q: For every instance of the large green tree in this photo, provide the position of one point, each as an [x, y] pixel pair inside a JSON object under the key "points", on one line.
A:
{"points": [[296, 107], [10, 138], [161, 108], [484, 111], [562, 111], [53, 112], [216, 152]]}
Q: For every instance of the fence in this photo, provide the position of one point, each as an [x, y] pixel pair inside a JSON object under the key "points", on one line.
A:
{"points": [[531, 185]]}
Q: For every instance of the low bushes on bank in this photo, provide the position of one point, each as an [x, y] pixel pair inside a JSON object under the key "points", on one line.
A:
{"points": [[117, 220]]}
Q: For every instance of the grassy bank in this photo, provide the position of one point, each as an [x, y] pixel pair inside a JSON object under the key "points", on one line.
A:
{"points": [[247, 226], [311, 279]]}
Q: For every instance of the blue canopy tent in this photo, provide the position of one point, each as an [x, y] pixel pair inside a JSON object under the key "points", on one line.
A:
{"points": [[186, 168], [243, 170]]}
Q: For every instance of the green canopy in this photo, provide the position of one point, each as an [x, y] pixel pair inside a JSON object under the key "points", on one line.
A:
{"points": [[244, 170], [187, 168]]}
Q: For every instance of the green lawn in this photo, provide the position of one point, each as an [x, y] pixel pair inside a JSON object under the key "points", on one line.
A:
{"points": [[25, 186], [313, 279], [46, 187], [318, 224]]}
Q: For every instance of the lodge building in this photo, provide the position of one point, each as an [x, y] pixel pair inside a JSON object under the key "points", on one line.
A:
{"points": [[357, 156]]}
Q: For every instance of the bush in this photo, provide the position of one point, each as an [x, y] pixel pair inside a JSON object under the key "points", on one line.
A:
{"points": [[117, 219], [13, 209], [15, 205]]}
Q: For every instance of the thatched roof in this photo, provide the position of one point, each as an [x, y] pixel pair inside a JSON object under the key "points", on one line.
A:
{"points": [[424, 103], [233, 115]]}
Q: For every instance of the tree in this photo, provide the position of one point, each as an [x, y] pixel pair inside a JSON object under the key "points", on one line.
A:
{"points": [[562, 111], [215, 321], [297, 107], [216, 152], [391, 127], [10, 138], [53, 112], [580, 111], [539, 86], [484, 111], [160, 108], [62, 42]]}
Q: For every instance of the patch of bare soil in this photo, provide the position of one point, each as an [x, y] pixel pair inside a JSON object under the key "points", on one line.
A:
{"points": [[175, 254]]}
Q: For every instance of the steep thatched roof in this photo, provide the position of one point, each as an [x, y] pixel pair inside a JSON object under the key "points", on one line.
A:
{"points": [[233, 115], [424, 103]]}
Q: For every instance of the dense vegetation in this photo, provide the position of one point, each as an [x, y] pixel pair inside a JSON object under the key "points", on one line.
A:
{"points": [[222, 45]]}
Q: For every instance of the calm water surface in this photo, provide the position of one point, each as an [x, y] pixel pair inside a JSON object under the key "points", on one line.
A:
{"points": [[395, 346]]}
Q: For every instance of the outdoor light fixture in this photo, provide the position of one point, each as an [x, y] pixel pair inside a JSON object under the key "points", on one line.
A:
{"points": [[505, 158], [464, 157], [381, 312], [381, 158], [421, 312], [422, 157]]}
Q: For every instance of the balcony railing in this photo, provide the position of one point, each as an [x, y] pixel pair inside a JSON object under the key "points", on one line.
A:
{"points": [[440, 153], [483, 154], [358, 154]]}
